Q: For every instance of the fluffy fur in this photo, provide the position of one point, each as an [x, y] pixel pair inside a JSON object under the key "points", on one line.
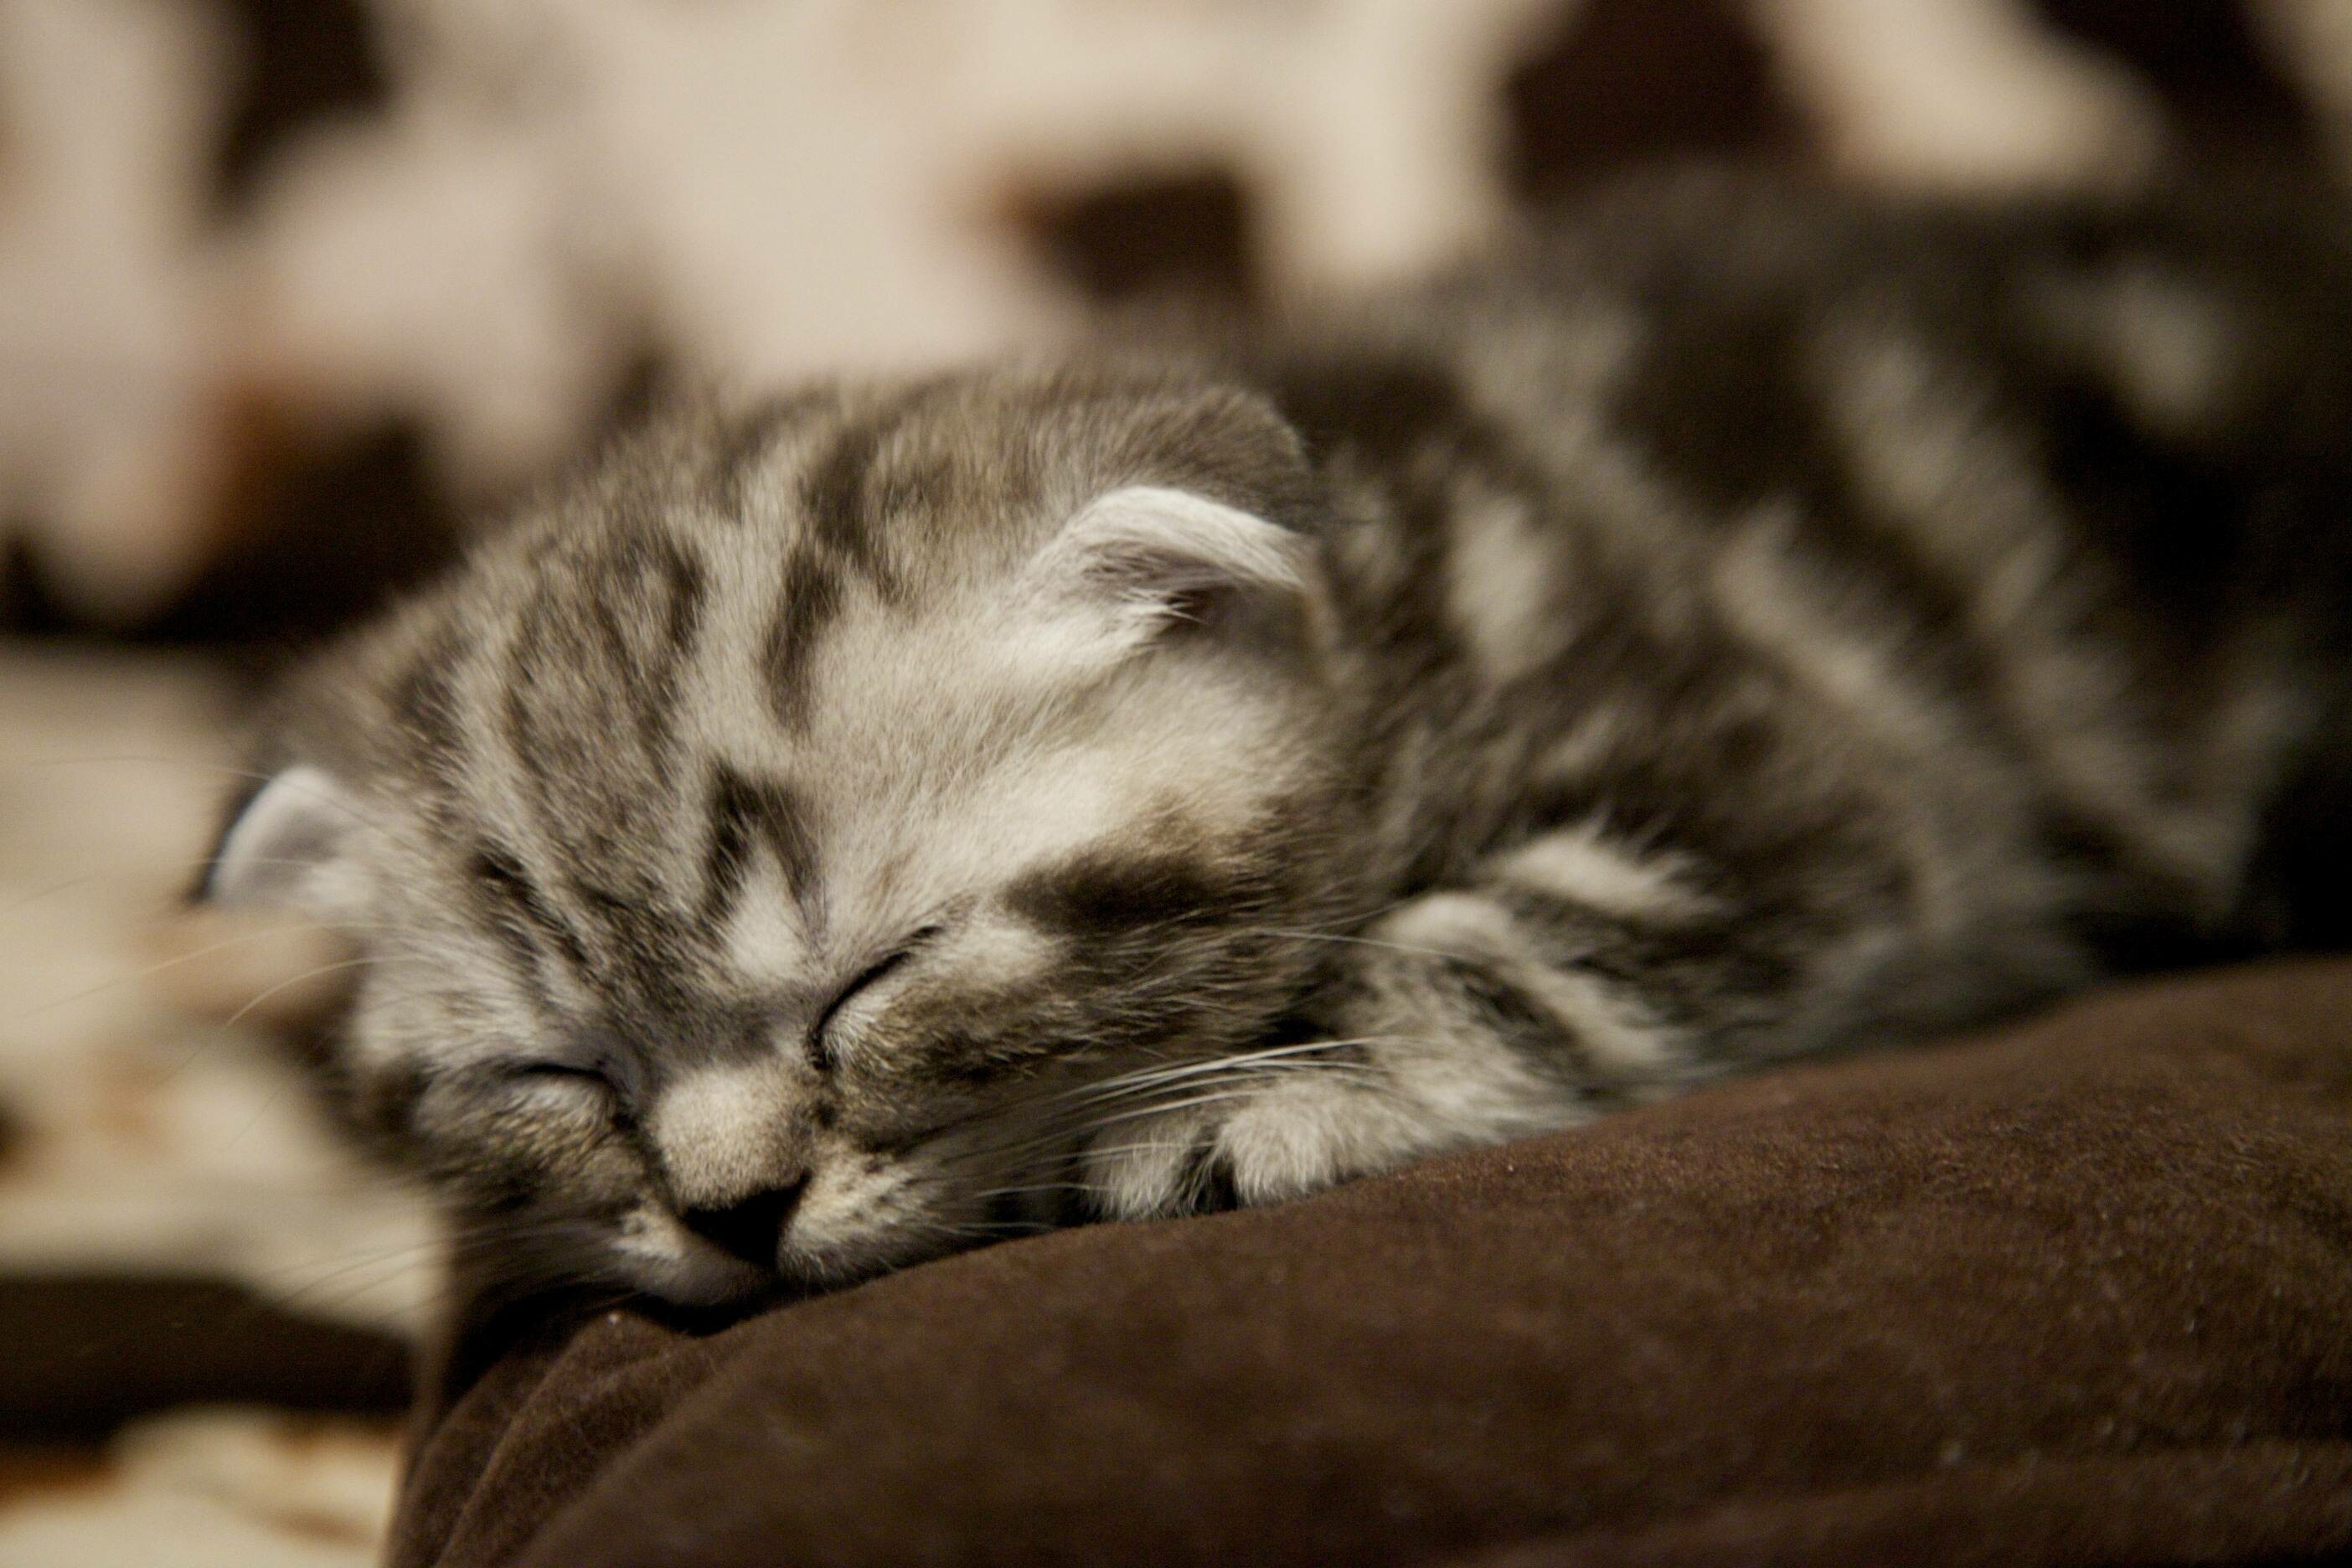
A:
{"points": [[1752, 624]]}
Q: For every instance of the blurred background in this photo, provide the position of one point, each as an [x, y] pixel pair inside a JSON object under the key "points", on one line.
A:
{"points": [[292, 289]]}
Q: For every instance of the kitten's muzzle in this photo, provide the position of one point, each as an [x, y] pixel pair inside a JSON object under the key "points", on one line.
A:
{"points": [[751, 1229]]}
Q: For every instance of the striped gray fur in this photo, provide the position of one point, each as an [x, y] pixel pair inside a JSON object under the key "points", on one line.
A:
{"points": [[1749, 622]]}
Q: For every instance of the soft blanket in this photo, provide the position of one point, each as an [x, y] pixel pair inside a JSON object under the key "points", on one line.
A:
{"points": [[2073, 1292]]}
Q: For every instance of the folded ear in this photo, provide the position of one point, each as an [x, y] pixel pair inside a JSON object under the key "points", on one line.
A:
{"points": [[287, 849], [1146, 560]]}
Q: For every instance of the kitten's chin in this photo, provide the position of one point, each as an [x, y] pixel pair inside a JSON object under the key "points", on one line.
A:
{"points": [[836, 1262], [653, 1254], [702, 1278]]}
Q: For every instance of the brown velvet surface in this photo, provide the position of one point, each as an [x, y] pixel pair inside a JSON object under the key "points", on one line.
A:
{"points": [[2078, 1291]]}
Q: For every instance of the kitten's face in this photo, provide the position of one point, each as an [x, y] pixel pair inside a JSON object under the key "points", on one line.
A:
{"points": [[761, 855]]}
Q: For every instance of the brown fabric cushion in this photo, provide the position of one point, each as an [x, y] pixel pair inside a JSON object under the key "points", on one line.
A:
{"points": [[2079, 1292]]}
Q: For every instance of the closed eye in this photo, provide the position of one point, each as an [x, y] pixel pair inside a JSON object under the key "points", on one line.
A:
{"points": [[820, 1052]]}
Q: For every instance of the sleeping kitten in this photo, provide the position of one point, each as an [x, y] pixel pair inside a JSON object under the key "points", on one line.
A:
{"points": [[1756, 625]]}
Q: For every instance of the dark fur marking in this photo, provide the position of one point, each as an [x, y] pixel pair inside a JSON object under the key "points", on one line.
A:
{"points": [[684, 595], [1101, 891], [511, 892], [810, 599], [964, 1062], [1532, 1029], [837, 496], [747, 444], [743, 810], [532, 651]]}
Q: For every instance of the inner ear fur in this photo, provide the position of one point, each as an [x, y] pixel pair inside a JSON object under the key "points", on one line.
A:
{"points": [[1145, 560]]}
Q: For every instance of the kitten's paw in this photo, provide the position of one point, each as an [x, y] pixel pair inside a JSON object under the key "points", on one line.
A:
{"points": [[1301, 1125], [1301, 1134], [1157, 1163], [1448, 1032]]}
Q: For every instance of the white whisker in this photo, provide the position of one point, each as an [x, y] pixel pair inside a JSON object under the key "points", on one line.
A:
{"points": [[153, 970], [293, 981]]}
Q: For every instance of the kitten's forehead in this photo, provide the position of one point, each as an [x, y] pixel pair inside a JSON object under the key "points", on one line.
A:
{"points": [[787, 649], [741, 552], [881, 527]]}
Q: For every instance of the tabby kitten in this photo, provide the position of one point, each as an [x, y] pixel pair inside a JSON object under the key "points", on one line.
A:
{"points": [[1753, 624]]}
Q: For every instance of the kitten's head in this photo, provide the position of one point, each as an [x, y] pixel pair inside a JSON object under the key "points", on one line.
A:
{"points": [[759, 848]]}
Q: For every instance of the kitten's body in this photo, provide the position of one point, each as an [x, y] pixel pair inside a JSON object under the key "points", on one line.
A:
{"points": [[1757, 625]]}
